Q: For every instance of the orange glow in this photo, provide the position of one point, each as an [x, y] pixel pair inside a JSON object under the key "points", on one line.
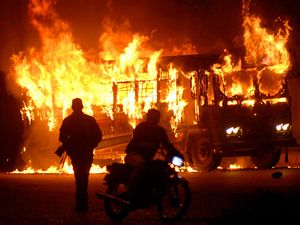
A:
{"points": [[126, 80], [264, 48], [227, 71], [60, 71], [175, 100], [266, 51], [95, 169], [266, 61]]}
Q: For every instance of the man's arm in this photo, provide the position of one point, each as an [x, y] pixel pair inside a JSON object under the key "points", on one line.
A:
{"points": [[168, 146]]}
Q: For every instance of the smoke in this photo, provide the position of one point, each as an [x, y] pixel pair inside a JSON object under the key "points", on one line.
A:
{"points": [[177, 26], [191, 25]]}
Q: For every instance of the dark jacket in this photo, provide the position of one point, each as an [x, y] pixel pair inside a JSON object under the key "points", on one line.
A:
{"points": [[148, 138], [80, 134]]}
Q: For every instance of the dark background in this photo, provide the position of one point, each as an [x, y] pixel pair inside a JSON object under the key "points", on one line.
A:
{"points": [[209, 25]]}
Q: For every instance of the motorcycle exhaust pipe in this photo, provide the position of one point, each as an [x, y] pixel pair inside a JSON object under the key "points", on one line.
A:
{"points": [[105, 196]]}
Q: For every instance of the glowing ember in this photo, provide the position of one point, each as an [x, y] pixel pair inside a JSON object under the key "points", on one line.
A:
{"points": [[231, 167], [234, 167]]}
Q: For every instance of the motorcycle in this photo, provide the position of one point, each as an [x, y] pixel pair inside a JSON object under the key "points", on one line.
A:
{"points": [[171, 204]]}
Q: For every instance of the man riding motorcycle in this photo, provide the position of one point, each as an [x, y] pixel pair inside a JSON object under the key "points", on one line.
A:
{"points": [[148, 137]]}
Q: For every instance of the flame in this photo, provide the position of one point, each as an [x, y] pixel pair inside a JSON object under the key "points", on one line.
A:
{"points": [[126, 80], [234, 166], [226, 72], [266, 61], [95, 169], [266, 51], [175, 99], [263, 48], [60, 70]]}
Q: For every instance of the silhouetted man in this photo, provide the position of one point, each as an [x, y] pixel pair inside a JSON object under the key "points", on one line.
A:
{"points": [[148, 137], [80, 134], [11, 130]]}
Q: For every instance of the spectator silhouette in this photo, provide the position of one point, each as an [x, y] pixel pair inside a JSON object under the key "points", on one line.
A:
{"points": [[80, 134], [11, 131]]}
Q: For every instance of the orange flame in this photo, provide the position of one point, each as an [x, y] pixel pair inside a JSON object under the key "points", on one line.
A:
{"points": [[266, 51], [60, 71], [175, 100], [95, 169], [267, 59]]}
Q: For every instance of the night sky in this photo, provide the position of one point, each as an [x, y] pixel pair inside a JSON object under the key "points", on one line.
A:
{"points": [[208, 25]]}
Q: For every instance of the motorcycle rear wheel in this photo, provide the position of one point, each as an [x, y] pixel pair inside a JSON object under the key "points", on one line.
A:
{"points": [[175, 202], [113, 210]]}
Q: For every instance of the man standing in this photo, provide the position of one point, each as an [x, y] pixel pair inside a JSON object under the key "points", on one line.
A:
{"points": [[80, 134]]}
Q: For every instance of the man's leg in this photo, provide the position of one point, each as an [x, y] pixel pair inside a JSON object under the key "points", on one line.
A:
{"points": [[81, 172], [139, 186]]}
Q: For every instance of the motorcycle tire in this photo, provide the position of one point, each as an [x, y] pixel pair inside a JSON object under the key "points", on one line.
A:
{"points": [[176, 201], [113, 210]]}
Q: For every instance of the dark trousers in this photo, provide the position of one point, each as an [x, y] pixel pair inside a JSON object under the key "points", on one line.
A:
{"points": [[146, 177], [81, 169]]}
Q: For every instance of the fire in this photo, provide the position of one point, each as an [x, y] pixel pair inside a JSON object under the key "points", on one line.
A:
{"points": [[266, 51], [174, 98], [127, 80], [263, 48], [232, 166], [226, 72], [67, 168], [60, 70], [266, 61]]}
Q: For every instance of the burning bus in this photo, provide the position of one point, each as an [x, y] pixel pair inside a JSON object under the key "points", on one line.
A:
{"points": [[217, 120], [213, 105], [256, 125], [234, 104]]}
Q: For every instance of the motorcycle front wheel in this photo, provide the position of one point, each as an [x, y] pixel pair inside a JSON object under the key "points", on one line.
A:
{"points": [[176, 201], [113, 210]]}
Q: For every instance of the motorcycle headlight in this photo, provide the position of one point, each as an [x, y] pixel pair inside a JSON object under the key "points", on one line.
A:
{"points": [[233, 131], [177, 161], [282, 128]]}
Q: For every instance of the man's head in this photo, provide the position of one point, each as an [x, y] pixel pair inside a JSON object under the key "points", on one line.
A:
{"points": [[153, 116], [77, 105]]}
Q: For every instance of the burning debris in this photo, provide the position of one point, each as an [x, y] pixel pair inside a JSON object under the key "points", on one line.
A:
{"points": [[121, 86]]}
